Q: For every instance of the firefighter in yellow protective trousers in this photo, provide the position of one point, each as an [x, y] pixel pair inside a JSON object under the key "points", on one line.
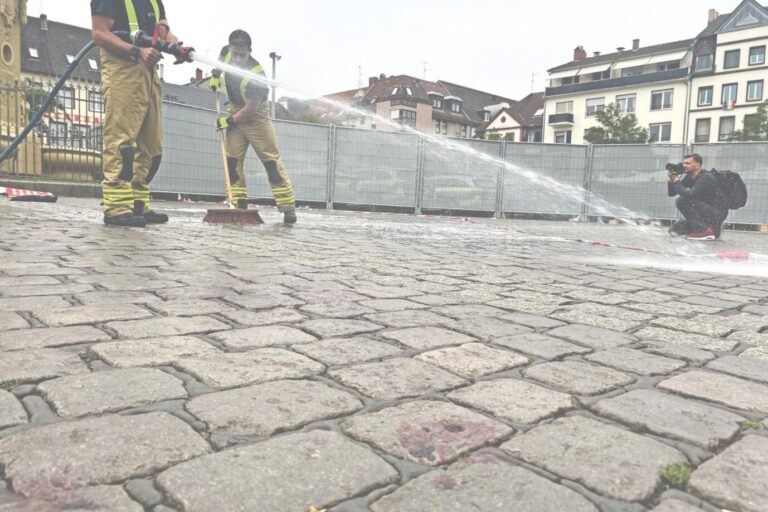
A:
{"points": [[249, 123], [132, 97]]}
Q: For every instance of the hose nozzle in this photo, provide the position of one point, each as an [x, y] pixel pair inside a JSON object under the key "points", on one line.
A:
{"points": [[144, 40]]}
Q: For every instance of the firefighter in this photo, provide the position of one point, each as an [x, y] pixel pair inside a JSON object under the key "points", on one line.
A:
{"points": [[132, 119], [249, 123]]}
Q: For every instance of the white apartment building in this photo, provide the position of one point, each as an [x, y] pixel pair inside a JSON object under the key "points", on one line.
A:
{"points": [[680, 91]]}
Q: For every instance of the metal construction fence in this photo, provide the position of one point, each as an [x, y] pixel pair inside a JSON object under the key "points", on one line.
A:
{"points": [[338, 166]]}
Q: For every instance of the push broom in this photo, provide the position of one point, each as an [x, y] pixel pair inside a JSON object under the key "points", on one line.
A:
{"points": [[231, 215]]}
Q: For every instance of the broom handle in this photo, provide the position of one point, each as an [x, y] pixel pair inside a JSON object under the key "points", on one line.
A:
{"points": [[224, 154]]}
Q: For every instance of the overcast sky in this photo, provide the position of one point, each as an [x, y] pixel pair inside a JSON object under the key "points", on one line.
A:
{"points": [[496, 46]]}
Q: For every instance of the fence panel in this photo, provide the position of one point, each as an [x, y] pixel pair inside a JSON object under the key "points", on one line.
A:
{"points": [[461, 174], [375, 168], [544, 178], [750, 160], [630, 181]]}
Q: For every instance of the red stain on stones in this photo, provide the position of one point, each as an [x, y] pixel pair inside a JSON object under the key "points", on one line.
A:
{"points": [[439, 441], [444, 482]]}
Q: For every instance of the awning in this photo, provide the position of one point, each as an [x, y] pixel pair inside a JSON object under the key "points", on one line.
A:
{"points": [[587, 70], [667, 57], [631, 63], [563, 74]]}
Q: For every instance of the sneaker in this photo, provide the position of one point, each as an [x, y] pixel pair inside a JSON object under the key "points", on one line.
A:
{"points": [[289, 217], [127, 220], [707, 234], [152, 217], [679, 228]]}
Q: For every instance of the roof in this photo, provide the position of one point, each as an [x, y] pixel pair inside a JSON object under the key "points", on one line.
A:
{"points": [[53, 45], [185, 95], [524, 110], [625, 55], [381, 89], [475, 101]]}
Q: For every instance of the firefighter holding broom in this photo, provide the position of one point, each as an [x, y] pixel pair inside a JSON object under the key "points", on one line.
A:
{"points": [[249, 123]]}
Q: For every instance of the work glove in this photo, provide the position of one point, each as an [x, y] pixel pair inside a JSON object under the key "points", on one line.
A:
{"points": [[223, 123], [214, 83]]}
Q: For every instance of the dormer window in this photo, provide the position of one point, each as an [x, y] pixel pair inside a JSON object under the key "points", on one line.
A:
{"points": [[93, 64], [70, 58], [539, 113], [33, 53], [437, 102], [402, 89], [486, 115], [455, 106]]}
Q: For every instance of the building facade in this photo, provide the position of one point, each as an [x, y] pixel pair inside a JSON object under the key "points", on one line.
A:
{"points": [[696, 89]]}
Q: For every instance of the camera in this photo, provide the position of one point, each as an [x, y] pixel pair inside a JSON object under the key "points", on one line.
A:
{"points": [[675, 168]]}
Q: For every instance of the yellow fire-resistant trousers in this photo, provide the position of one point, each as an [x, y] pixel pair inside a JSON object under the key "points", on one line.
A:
{"points": [[259, 133], [132, 132]]}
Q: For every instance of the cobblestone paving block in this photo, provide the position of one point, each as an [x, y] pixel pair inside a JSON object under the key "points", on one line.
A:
{"points": [[389, 305], [690, 354], [591, 336], [675, 506], [409, 318], [607, 459], [525, 306], [614, 323], [11, 411], [434, 300], [263, 301], [425, 432], [166, 326], [673, 416], [26, 339], [664, 308], [756, 353], [13, 321], [749, 338], [690, 340], [333, 327], [91, 314], [473, 360], [244, 368], [635, 361], [296, 465], [10, 282], [103, 450], [266, 317], [263, 409], [35, 291], [110, 391], [703, 300], [540, 345], [343, 351], [747, 367], [483, 482], [396, 378], [427, 337], [124, 283], [31, 303], [264, 336], [39, 364], [151, 351], [100, 497], [722, 389], [532, 321], [513, 400], [735, 479], [38, 269], [336, 309], [96, 298], [577, 377], [702, 324], [194, 292], [487, 329], [460, 312], [325, 295], [191, 307], [757, 309]]}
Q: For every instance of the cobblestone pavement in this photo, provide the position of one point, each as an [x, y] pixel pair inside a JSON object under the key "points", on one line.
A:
{"points": [[377, 362]]}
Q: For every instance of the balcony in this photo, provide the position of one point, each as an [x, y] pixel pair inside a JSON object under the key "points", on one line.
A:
{"points": [[561, 119], [613, 83]]}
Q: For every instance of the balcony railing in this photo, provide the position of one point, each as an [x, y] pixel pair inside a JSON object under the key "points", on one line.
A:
{"points": [[612, 83], [566, 118]]}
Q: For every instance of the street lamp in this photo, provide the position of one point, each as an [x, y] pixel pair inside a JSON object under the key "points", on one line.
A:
{"points": [[275, 57]]}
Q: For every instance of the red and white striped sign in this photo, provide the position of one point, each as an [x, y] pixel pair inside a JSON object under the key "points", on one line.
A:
{"points": [[20, 192]]}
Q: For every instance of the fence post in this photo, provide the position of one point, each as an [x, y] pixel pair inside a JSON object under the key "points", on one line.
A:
{"points": [[330, 175], [421, 156], [588, 167], [500, 178]]}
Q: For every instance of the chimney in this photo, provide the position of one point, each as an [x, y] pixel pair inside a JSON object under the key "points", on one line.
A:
{"points": [[43, 22], [595, 54], [620, 49], [713, 14], [198, 75], [382, 76], [372, 80], [579, 53], [635, 44]]}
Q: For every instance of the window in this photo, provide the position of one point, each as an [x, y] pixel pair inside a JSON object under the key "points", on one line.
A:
{"points": [[80, 134], [702, 130], [57, 134], [463, 132], [455, 106], [703, 62], [601, 75], [95, 101], [595, 105], [757, 55], [731, 59], [755, 90], [730, 92], [626, 103], [568, 80], [66, 97], [637, 70], [437, 126], [727, 125], [33, 53], [93, 64], [664, 66], [70, 58], [539, 113], [661, 100], [705, 96], [661, 132], [403, 115], [563, 137], [445, 127], [437, 102], [486, 115], [564, 107]]}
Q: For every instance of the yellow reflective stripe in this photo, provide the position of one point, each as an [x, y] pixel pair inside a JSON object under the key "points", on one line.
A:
{"points": [[133, 20], [156, 8], [244, 84]]}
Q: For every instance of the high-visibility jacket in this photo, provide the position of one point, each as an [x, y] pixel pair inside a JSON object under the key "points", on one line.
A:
{"points": [[130, 15], [242, 88]]}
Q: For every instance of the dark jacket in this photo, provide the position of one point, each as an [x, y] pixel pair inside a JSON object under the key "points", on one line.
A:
{"points": [[254, 89], [704, 188], [115, 10]]}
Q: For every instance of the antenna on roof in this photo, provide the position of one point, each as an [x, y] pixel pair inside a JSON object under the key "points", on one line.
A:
{"points": [[424, 63], [359, 76]]}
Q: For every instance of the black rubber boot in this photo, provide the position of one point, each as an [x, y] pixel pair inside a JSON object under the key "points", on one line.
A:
{"points": [[242, 204], [289, 217], [151, 217], [127, 220]]}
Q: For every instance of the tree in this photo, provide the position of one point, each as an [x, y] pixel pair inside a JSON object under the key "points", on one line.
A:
{"points": [[617, 128], [755, 126]]}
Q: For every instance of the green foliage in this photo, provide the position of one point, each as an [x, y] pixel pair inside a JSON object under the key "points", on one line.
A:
{"points": [[616, 128], [755, 126], [11, 384], [639, 427], [749, 425], [676, 475], [307, 117]]}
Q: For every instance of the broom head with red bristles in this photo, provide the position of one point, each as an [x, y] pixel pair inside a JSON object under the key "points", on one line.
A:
{"points": [[232, 216]]}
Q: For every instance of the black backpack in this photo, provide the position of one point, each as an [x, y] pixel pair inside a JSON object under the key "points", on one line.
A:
{"points": [[732, 188]]}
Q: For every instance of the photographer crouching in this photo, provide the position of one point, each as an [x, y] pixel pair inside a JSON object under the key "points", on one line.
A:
{"points": [[702, 205]]}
